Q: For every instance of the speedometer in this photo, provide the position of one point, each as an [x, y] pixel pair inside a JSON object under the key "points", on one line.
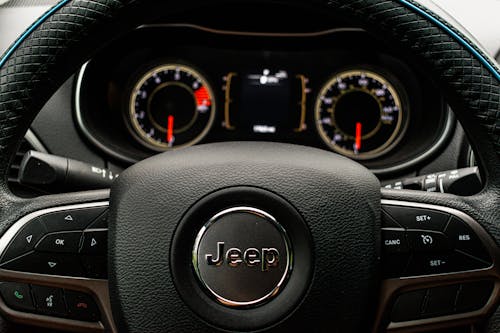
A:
{"points": [[170, 106], [361, 114]]}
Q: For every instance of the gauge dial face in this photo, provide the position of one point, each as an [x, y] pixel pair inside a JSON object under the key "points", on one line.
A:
{"points": [[171, 106], [359, 113]]}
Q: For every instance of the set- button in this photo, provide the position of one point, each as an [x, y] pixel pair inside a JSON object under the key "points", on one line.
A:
{"points": [[419, 241]]}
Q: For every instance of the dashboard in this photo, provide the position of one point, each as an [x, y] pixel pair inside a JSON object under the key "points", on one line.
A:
{"points": [[165, 87]]}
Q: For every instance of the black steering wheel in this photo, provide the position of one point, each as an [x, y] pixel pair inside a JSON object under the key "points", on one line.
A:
{"points": [[255, 236]]}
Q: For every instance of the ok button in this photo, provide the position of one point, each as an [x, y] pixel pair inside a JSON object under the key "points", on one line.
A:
{"points": [[60, 242]]}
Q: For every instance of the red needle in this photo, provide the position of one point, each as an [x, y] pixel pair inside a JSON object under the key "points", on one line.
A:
{"points": [[170, 129], [358, 136]]}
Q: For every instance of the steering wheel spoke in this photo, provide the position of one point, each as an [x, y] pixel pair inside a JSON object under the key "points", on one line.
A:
{"points": [[53, 263], [439, 265]]}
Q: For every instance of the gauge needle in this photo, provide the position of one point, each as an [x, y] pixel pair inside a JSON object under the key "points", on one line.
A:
{"points": [[358, 136], [170, 129]]}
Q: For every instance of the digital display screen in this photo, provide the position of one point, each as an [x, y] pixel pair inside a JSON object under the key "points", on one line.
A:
{"points": [[264, 102]]}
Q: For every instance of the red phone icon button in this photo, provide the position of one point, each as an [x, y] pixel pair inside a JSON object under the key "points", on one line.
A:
{"points": [[82, 305]]}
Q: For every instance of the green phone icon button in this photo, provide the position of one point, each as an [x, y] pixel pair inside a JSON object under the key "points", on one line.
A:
{"points": [[18, 295]]}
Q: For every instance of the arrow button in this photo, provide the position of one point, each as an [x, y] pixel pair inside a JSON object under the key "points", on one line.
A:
{"points": [[25, 240], [95, 241], [29, 238]]}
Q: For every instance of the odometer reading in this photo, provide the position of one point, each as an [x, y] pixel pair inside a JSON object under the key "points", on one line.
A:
{"points": [[360, 114], [171, 106]]}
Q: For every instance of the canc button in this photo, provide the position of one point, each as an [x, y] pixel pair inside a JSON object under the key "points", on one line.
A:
{"points": [[394, 240]]}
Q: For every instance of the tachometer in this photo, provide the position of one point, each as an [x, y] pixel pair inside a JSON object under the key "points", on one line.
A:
{"points": [[171, 106], [361, 114]]}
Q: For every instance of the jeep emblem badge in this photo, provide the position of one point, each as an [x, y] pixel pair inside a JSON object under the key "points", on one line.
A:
{"points": [[242, 257]]}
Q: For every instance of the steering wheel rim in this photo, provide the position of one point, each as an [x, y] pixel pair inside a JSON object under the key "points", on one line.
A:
{"points": [[44, 57]]}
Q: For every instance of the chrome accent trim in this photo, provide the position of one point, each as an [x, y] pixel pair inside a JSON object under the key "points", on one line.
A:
{"points": [[83, 127], [447, 132], [35, 142], [472, 158], [286, 240]]}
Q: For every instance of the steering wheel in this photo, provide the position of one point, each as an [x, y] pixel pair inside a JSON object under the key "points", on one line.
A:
{"points": [[251, 236]]}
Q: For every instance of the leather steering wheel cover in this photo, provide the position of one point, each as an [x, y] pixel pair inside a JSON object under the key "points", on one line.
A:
{"points": [[58, 46]]}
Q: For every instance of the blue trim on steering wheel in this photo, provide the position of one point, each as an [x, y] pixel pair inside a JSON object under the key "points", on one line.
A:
{"points": [[455, 35], [406, 3], [35, 25]]}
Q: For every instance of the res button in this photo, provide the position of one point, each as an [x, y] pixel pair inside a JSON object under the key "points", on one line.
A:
{"points": [[464, 239]]}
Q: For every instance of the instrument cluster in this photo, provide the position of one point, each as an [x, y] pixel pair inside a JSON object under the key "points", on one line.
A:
{"points": [[168, 87]]}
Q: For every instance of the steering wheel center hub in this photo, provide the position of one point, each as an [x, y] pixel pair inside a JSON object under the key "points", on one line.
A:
{"points": [[242, 256]]}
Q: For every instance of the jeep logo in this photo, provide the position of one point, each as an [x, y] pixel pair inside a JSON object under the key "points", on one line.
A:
{"points": [[266, 258], [242, 256]]}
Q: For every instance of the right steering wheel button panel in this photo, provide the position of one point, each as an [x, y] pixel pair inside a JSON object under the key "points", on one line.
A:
{"points": [[438, 242]]}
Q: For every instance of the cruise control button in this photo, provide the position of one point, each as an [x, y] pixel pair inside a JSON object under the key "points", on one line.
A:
{"points": [[388, 221], [408, 306], [418, 218], [81, 306], [394, 241], [96, 267], [473, 296], [17, 296], [428, 241], [464, 239], [427, 264], [441, 301], [394, 265], [71, 220], [46, 263], [95, 242], [60, 242], [25, 240], [101, 222], [49, 300]]}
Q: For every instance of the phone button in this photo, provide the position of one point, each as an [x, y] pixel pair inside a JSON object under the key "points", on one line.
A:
{"points": [[17, 296], [81, 306]]}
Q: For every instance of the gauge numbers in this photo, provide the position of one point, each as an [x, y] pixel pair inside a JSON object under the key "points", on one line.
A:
{"points": [[171, 106], [360, 114]]}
